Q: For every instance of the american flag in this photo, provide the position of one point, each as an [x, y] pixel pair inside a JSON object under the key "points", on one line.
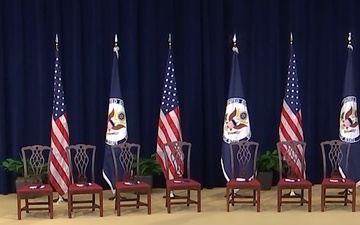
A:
{"points": [[169, 129], [59, 162], [291, 121]]}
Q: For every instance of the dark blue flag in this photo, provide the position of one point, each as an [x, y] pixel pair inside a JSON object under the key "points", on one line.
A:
{"points": [[116, 131], [349, 123], [236, 121]]}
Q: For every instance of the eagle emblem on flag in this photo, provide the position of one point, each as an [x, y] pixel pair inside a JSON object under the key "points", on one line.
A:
{"points": [[116, 122], [236, 121], [349, 124]]}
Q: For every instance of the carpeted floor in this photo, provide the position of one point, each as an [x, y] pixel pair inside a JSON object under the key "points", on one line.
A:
{"points": [[213, 212]]}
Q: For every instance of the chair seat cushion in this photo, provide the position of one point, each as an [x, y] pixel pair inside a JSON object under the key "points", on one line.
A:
{"points": [[182, 183], [335, 182], [123, 185], [76, 188], [32, 188], [253, 183], [300, 183]]}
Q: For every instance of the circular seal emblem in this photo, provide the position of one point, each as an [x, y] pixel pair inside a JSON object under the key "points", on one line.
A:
{"points": [[349, 123], [116, 123], [236, 121]]}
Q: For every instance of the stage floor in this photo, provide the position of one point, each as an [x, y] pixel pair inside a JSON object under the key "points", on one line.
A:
{"points": [[213, 212]]}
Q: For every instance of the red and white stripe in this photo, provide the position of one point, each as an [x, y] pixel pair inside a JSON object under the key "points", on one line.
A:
{"points": [[291, 130], [59, 162], [168, 131]]}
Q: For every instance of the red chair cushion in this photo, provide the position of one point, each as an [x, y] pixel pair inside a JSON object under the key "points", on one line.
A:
{"points": [[122, 186], [346, 183], [26, 189], [253, 183], [93, 187], [300, 183], [179, 184]]}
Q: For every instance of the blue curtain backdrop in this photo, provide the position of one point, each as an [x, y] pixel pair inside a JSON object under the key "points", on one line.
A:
{"points": [[202, 32]]}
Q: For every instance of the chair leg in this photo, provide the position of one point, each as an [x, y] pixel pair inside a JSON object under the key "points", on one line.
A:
{"points": [[70, 205], [51, 205], [115, 201], [19, 207], [254, 197], [168, 205], [27, 204], [199, 199], [302, 197], [93, 202], [258, 200], [149, 201], [346, 197], [323, 195], [227, 200], [309, 199], [354, 199], [137, 200], [101, 203], [118, 202], [279, 193], [188, 198], [232, 197]]}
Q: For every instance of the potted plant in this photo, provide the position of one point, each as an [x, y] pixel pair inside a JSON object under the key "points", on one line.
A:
{"points": [[147, 168], [17, 166], [266, 164]]}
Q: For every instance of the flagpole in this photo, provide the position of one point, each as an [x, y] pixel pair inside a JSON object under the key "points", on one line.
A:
{"points": [[56, 42], [349, 38], [169, 40], [60, 198], [347, 191], [292, 192], [116, 47], [172, 194], [235, 49]]}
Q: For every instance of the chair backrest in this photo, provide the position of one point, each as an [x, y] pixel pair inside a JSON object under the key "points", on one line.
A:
{"points": [[292, 155], [177, 155], [81, 162], [126, 158], [36, 163], [243, 159], [335, 153]]}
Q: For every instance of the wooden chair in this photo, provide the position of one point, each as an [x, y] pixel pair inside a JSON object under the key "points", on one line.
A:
{"points": [[82, 165], [335, 154], [126, 157], [293, 154], [243, 174], [177, 155], [36, 161]]}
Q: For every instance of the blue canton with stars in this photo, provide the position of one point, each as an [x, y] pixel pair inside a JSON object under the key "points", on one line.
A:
{"points": [[169, 100], [59, 107], [292, 87]]}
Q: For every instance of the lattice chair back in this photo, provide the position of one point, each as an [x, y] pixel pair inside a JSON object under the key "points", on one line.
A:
{"points": [[81, 163], [336, 154], [126, 158], [243, 159], [36, 163], [177, 159], [292, 155]]}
